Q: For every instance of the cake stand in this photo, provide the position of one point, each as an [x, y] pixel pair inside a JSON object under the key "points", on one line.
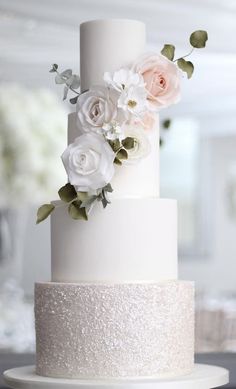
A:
{"points": [[203, 377]]}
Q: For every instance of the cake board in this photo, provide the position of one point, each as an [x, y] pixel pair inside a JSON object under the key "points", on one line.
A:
{"points": [[202, 377]]}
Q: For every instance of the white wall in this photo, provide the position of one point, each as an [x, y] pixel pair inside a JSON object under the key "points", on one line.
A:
{"points": [[217, 271]]}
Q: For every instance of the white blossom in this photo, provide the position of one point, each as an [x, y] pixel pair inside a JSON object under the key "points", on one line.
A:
{"points": [[123, 79], [133, 101], [113, 131]]}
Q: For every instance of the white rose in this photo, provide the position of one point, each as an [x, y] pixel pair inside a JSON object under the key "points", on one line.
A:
{"points": [[89, 162], [142, 145], [94, 108]]}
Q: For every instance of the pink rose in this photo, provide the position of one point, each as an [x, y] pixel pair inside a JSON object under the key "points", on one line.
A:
{"points": [[162, 79]]}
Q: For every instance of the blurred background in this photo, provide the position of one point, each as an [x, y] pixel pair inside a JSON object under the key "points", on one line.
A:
{"points": [[198, 156]]}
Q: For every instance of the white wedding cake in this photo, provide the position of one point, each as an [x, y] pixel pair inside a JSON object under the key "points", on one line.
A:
{"points": [[114, 307]]}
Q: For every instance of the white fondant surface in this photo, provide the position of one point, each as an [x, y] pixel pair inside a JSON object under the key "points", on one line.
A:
{"points": [[131, 181], [114, 330], [107, 45], [131, 240]]}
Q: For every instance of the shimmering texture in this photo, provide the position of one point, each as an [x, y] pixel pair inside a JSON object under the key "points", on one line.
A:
{"points": [[114, 330]]}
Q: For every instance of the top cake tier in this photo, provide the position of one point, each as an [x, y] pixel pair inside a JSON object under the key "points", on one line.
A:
{"points": [[108, 45]]}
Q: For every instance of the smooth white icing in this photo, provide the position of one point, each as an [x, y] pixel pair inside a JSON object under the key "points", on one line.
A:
{"points": [[131, 240], [107, 45], [131, 181]]}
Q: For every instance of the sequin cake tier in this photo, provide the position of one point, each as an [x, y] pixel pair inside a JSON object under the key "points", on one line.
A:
{"points": [[114, 307], [121, 330]]}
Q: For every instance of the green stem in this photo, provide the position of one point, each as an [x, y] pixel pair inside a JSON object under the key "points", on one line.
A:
{"points": [[184, 55]]}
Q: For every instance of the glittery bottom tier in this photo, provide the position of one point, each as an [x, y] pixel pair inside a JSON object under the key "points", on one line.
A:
{"points": [[114, 330]]}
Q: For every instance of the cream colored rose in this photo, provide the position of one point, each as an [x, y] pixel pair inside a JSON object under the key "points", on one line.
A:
{"points": [[162, 80], [89, 162], [95, 108], [142, 145]]}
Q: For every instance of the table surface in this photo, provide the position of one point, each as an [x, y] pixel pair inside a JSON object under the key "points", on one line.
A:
{"points": [[8, 361]]}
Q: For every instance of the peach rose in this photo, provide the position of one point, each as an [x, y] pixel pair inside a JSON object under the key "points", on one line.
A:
{"points": [[162, 80]]}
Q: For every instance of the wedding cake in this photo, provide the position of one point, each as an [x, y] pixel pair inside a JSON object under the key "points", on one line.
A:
{"points": [[114, 307]]}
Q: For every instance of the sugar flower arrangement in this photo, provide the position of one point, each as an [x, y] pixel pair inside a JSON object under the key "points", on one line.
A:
{"points": [[113, 120]]}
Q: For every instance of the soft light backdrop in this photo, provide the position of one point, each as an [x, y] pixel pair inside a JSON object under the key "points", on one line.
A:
{"points": [[33, 34]]}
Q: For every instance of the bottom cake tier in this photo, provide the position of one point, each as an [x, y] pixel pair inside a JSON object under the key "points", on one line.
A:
{"points": [[112, 331]]}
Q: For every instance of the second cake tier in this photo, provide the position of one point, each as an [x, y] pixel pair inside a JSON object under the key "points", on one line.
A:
{"points": [[131, 240]]}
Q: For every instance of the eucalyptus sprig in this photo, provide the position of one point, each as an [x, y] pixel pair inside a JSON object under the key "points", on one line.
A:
{"points": [[78, 204], [121, 148], [71, 81], [197, 40]]}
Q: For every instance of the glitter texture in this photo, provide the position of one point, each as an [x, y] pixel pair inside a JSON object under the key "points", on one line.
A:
{"points": [[114, 331]]}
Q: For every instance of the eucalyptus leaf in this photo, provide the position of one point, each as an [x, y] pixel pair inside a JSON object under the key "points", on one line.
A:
{"points": [[128, 143], [88, 202], [168, 51], [73, 81], [198, 39], [82, 196], [115, 145], [166, 124], [73, 100], [59, 79], [117, 161], [65, 93], [108, 188], [186, 66], [105, 201], [43, 212], [54, 68], [122, 154], [67, 193], [76, 212]]}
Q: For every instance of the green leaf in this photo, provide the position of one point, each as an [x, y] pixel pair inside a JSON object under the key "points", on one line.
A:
{"points": [[108, 188], [89, 201], [168, 51], [82, 196], [67, 193], [54, 68], [122, 154], [43, 212], [73, 100], [115, 145], [166, 124], [128, 143], [117, 161], [65, 93], [198, 39], [186, 66], [76, 212]]}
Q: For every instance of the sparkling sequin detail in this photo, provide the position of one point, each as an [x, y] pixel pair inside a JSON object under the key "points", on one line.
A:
{"points": [[114, 331]]}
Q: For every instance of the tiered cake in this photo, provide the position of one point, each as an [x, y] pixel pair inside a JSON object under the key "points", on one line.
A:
{"points": [[114, 307]]}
